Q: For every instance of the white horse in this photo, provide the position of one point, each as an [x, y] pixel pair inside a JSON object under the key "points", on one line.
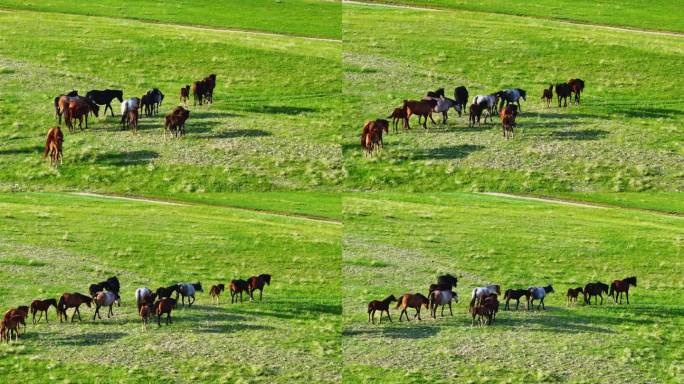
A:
{"points": [[538, 293], [487, 102], [104, 299], [512, 95], [442, 298], [143, 295], [126, 106], [480, 293], [443, 105], [189, 290]]}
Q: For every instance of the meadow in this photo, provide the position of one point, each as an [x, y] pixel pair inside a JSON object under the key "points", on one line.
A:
{"points": [[273, 125], [397, 243], [626, 135], [55, 242]]}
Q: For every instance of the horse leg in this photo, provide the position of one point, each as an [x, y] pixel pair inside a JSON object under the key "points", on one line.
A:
{"points": [[450, 311], [111, 313], [418, 313], [97, 310], [261, 292], [168, 318], [542, 303], [627, 296], [388, 315], [159, 319]]}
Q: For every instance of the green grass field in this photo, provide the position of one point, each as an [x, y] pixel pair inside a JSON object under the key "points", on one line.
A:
{"points": [[626, 136], [54, 243], [398, 243]]}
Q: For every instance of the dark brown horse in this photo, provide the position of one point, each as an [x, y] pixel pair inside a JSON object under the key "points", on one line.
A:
{"points": [[164, 306], [483, 314], [382, 306], [620, 286], [398, 114], [21, 311], [42, 306], [594, 289], [474, 114], [516, 294], [238, 286], [563, 91], [412, 301], [547, 96], [185, 94], [572, 295], [508, 115], [421, 108], [258, 282], [11, 326], [145, 312], [491, 302], [444, 282], [72, 300], [216, 290], [53, 145], [576, 86]]}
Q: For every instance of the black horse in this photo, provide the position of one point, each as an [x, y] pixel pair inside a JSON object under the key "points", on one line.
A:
{"points": [[444, 283], [112, 285], [594, 289], [515, 294], [461, 97], [563, 91], [436, 94], [105, 98], [167, 291]]}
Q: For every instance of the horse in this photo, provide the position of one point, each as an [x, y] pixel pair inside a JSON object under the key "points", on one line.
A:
{"points": [[461, 98], [487, 102], [563, 91], [145, 312], [189, 291], [127, 105], [576, 86], [167, 291], [508, 115], [595, 289], [112, 284], [11, 326], [515, 294], [538, 293], [382, 306], [199, 90], [547, 96], [398, 114], [512, 95], [420, 108], [21, 311], [258, 282], [157, 98], [78, 108], [444, 282], [175, 121], [72, 300], [483, 313], [210, 84], [620, 286], [474, 114], [185, 94], [216, 290], [53, 145], [409, 300], [144, 296], [371, 135], [436, 94], [133, 119], [237, 286], [572, 294], [443, 105], [491, 302], [165, 305], [58, 110], [439, 297], [42, 306], [105, 299], [147, 102], [105, 98], [480, 293]]}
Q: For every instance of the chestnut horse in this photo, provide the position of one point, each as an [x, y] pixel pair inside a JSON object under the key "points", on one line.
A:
{"points": [[572, 295], [491, 302], [576, 86], [11, 326], [508, 115], [163, 306], [421, 108], [620, 286], [216, 290], [185, 94], [145, 312], [42, 306], [258, 282], [547, 96], [237, 286], [72, 300], [382, 306], [412, 301], [398, 114], [594, 289], [483, 313], [21, 310], [53, 145]]}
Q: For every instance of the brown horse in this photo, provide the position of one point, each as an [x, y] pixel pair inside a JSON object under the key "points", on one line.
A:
{"points": [[421, 108], [482, 313], [21, 310], [491, 302], [72, 300], [237, 286], [185, 94], [133, 119], [258, 282], [474, 114], [398, 114], [547, 96], [572, 295], [53, 145], [11, 326], [78, 109], [371, 136], [576, 86], [508, 115], [164, 306], [145, 312], [412, 301], [382, 306], [175, 121], [216, 290], [42, 306], [563, 91], [594, 289], [620, 286]]}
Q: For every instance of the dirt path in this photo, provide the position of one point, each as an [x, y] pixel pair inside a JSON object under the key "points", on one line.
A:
{"points": [[546, 200]]}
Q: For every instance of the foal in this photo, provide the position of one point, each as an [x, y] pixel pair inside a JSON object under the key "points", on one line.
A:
{"points": [[11, 326], [382, 306], [145, 313], [53, 145], [185, 94], [572, 295], [42, 306], [216, 290], [398, 114], [164, 306], [548, 96]]}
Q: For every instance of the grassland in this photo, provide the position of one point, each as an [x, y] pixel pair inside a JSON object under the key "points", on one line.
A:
{"points": [[656, 15], [397, 243], [53, 243], [661, 202], [626, 136], [273, 125]]}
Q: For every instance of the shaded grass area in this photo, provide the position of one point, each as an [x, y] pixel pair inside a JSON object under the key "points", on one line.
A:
{"points": [[55, 243], [514, 243]]}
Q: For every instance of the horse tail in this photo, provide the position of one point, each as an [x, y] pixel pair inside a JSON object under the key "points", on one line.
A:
{"points": [[399, 302], [47, 143], [472, 301]]}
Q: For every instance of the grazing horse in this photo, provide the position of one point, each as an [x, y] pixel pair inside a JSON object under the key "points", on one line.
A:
{"points": [[189, 291], [127, 105], [572, 295], [412, 301], [145, 312], [444, 282], [620, 286], [595, 289], [436, 94], [258, 282], [382, 306], [547, 96], [21, 311], [77, 108], [185, 94], [72, 300], [439, 297], [508, 115], [512, 95], [474, 114], [398, 114], [105, 98], [42, 306], [105, 299], [175, 121], [443, 105], [576, 86], [480, 293], [237, 286], [515, 294], [144, 296], [10, 326], [163, 292], [483, 314], [538, 293], [371, 135], [53, 145], [58, 109], [491, 302], [563, 91], [216, 290], [461, 97], [421, 108], [163, 306], [488, 103]]}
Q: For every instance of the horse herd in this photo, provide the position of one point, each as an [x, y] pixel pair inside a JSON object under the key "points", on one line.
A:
{"points": [[75, 107], [484, 301], [482, 107], [106, 293]]}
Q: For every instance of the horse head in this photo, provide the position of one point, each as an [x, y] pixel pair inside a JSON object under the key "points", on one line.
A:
{"points": [[523, 94], [549, 289]]}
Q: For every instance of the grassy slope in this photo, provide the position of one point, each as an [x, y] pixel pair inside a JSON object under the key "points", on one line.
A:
{"points": [[626, 136], [398, 243], [272, 125], [298, 17], [52, 243], [665, 202], [656, 15]]}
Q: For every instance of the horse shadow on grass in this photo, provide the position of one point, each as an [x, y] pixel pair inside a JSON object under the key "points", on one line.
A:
{"points": [[279, 110], [236, 133], [224, 328], [558, 116], [447, 153], [584, 134], [413, 330], [127, 158], [645, 112], [89, 338], [21, 151]]}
